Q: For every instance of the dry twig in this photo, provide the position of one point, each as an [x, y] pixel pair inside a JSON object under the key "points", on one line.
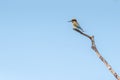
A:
{"points": [[98, 54]]}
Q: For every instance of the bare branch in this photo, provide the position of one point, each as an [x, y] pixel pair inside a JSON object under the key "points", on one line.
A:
{"points": [[98, 54]]}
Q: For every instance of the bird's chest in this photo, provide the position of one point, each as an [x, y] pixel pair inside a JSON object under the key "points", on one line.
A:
{"points": [[75, 24]]}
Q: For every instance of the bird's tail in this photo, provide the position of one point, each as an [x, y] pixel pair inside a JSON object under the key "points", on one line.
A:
{"points": [[81, 29]]}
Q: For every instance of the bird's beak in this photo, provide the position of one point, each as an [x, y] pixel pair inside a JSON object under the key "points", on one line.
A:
{"points": [[70, 21]]}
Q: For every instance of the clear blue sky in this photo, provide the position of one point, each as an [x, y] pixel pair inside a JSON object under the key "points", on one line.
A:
{"points": [[37, 42]]}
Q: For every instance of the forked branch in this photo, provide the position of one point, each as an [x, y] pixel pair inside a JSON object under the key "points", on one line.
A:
{"points": [[98, 54]]}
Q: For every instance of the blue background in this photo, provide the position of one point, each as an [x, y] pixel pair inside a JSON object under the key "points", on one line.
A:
{"points": [[37, 42]]}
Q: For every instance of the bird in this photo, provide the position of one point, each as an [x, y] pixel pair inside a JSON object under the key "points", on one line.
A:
{"points": [[76, 24]]}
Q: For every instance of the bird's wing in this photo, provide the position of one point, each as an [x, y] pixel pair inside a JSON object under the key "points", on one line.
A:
{"points": [[80, 27]]}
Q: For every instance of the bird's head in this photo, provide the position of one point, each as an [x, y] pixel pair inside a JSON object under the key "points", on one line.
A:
{"points": [[73, 20]]}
